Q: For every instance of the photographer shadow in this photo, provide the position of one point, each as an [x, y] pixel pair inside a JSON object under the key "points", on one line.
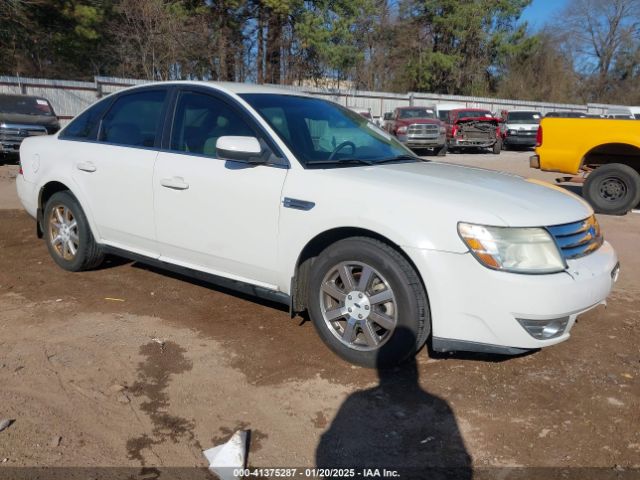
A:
{"points": [[396, 425]]}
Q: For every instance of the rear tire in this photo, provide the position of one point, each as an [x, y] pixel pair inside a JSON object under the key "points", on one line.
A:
{"points": [[367, 303], [612, 189], [68, 236]]}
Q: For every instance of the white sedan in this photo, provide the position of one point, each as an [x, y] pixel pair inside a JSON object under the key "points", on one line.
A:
{"points": [[297, 199]]}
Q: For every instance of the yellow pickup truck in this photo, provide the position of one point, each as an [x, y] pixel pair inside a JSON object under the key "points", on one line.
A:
{"points": [[603, 154]]}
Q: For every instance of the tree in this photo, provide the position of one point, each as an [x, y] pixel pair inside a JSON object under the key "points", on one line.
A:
{"points": [[540, 71], [600, 32], [458, 42]]}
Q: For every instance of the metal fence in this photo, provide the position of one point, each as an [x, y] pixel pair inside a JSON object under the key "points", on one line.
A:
{"points": [[70, 97]]}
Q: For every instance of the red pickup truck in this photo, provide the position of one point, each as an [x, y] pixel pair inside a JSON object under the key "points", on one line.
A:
{"points": [[418, 128], [473, 128]]}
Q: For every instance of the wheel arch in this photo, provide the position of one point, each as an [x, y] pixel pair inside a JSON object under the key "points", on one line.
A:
{"points": [[320, 242], [612, 152], [51, 187]]}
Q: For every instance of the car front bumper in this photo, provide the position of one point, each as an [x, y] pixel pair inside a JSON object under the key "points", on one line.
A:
{"points": [[520, 140], [412, 141], [476, 308], [471, 143], [9, 147]]}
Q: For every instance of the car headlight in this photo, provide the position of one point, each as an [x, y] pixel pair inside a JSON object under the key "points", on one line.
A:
{"points": [[402, 129], [443, 130], [513, 249]]}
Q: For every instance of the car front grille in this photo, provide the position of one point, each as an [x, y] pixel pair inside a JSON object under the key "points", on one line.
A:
{"points": [[15, 133], [577, 239], [423, 129]]}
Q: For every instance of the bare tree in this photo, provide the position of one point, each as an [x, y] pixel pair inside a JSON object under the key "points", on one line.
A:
{"points": [[597, 30]]}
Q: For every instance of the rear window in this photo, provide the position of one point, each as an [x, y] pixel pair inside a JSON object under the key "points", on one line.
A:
{"points": [[23, 105], [85, 125]]}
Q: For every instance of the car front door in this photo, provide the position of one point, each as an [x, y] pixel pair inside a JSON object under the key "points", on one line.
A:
{"points": [[115, 172], [213, 215]]}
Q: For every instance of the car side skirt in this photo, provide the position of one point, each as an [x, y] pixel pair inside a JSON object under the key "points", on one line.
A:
{"points": [[235, 285]]}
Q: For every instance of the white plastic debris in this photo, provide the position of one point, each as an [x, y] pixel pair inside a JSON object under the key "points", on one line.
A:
{"points": [[230, 456]]}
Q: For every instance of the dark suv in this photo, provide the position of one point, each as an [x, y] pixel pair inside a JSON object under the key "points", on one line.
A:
{"points": [[24, 116]]}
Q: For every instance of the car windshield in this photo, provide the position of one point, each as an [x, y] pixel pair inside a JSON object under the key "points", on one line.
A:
{"points": [[23, 105], [416, 113], [320, 132], [523, 117], [474, 114]]}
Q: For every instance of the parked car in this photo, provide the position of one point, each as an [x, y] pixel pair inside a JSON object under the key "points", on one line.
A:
{"points": [[602, 154], [23, 116], [566, 114], [302, 201], [443, 110], [473, 128], [418, 128], [520, 128], [623, 113]]}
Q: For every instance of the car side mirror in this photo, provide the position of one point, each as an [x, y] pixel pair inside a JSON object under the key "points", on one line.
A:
{"points": [[240, 149]]}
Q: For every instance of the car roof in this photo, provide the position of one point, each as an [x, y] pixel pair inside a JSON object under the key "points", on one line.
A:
{"points": [[230, 87]]}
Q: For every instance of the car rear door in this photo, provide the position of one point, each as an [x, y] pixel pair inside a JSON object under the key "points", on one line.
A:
{"points": [[115, 172], [213, 215]]}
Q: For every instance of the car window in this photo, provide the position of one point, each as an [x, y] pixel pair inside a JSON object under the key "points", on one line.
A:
{"points": [[85, 126], [321, 132], [523, 117], [134, 119], [474, 114], [201, 119], [24, 105], [417, 113]]}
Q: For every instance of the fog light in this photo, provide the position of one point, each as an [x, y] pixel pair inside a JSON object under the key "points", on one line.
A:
{"points": [[544, 329]]}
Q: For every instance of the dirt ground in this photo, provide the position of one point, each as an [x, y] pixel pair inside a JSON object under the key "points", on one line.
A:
{"points": [[130, 366]]}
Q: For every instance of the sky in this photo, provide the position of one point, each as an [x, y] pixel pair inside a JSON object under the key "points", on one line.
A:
{"points": [[541, 11]]}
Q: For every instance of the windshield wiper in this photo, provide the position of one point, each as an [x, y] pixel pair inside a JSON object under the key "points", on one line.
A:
{"points": [[346, 161], [399, 158], [362, 161]]}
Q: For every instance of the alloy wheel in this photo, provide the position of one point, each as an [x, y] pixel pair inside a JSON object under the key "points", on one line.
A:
{"points": [[358, 305], [63, 232]]}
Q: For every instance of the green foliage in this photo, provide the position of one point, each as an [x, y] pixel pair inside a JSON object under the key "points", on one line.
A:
{"points": [[472, 47]]}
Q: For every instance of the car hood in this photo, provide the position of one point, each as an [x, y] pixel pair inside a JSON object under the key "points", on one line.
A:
{"points": [[419, 204]]}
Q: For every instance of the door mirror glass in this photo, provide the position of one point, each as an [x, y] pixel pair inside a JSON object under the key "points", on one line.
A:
{"points": [[239, 149]]}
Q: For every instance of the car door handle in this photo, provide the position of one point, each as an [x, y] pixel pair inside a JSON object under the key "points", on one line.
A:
{"points": [[86, 167], [175, 183]]}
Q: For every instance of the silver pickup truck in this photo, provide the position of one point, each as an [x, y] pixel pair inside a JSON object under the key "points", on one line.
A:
{"points": [[23, 116]]}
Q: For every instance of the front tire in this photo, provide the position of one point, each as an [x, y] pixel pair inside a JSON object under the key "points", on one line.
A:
{"points": [[367, 303], [68, 236], [497, 147], [441, 151], [612, 189]]}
